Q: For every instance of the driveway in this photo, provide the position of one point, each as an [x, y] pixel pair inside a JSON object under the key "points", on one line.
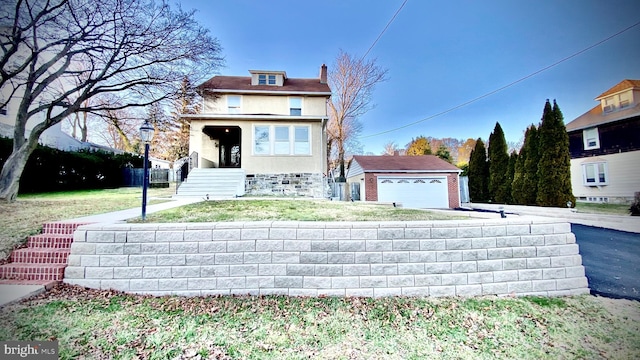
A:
{"points": [[611, 259]]}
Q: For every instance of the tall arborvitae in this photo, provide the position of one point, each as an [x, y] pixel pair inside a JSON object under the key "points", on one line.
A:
{"points": [[498, 165], [554, 168], [518, 190], [511, 170], [478, 173], [530, 181]]}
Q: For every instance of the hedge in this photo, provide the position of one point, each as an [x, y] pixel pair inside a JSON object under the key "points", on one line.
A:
{"points": [[50, 169]]}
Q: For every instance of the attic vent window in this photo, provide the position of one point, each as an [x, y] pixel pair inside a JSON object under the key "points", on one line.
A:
{"points": [[419, 181], [387, 182], [403, 182], [435, 182]]}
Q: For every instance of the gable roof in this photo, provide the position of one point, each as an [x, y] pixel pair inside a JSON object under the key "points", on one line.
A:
{"points": [[240, 84], [621, 86], [595, 116], [427, 163]]}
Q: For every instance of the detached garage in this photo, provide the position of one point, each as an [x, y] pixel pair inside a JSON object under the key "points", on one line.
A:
{"points": [[409, 181]]}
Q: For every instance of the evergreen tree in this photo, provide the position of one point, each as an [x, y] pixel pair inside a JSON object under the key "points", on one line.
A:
{"points": [[530, 171], [554, 168], [511, 169], [499, 191], [478, 173], [518, 190], [444, 154]]}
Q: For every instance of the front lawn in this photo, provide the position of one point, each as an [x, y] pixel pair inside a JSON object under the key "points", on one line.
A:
{"points": [[608, 209], [25, 216], [291, 210], [110, 325]]}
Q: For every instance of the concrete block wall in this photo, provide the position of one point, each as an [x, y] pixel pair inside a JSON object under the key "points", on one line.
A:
{"points": [[524, 256]]}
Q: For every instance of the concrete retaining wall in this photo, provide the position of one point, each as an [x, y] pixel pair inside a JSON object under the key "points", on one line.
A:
{"points": [[439, 258]]}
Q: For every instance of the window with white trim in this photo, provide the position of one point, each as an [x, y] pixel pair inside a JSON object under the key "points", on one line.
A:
{"points": [[295, 106], [591, 138], [595, 174], [264, 79], [261, 140], [301, 140], [281, 140], [282, 144], [233, 104]]}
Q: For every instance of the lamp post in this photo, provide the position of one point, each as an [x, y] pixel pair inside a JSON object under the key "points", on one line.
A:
{"points": [[146, 134]]}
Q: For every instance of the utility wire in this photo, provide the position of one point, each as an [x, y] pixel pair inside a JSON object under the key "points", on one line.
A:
{"points": [[504, 87], [384, 30]]}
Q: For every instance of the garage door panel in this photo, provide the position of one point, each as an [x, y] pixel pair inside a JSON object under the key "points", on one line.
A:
{"points": [[414, 192]]}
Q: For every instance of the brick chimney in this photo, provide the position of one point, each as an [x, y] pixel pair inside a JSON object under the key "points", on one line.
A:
{"points": [[323, 74]]}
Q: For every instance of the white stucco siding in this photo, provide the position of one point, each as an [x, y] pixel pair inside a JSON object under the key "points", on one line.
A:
{"points": [[208, 153], [622, 172], [267, 104]]}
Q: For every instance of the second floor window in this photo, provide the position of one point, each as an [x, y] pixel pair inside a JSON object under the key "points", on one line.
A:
{"points": [[233, 104], [295, 106], [591, 138]]}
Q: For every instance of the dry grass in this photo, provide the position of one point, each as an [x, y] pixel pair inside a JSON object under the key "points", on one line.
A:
{"points": [[110, 325], [26, 216]]}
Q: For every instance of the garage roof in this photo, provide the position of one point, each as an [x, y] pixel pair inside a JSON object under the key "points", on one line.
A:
{"points": [[424, 163]]}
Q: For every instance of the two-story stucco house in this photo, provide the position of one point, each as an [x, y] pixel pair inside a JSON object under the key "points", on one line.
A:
{"points": [[605, 147], [259, 134]]}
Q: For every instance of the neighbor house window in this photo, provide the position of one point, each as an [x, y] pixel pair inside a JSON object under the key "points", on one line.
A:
{"points": [[272, 79], [3, 111], [282, 140], [281, 146], [591, 138], [295, 106], [262, 143], [301, 141], [594, 174], [233, 104]]}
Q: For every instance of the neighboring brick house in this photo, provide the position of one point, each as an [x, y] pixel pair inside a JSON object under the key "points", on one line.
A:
{"points": [[268, 127], [605, 147], [410, 181]]}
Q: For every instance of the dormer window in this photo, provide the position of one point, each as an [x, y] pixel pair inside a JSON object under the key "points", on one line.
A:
{"points": [[624, 104], [264, 79], [270, 78]]}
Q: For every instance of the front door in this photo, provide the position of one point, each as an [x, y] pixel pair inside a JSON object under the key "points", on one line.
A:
{"points": [[228, 144]]}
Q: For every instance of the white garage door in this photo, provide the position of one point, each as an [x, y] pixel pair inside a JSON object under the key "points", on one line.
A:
{"points": [[414, 192]]}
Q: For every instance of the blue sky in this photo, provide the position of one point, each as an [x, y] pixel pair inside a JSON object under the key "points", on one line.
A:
{"points": [[440, 54]]}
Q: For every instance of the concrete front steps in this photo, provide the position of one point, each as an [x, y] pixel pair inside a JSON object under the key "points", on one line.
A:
{"points": [[44, 259], [214, 183]]}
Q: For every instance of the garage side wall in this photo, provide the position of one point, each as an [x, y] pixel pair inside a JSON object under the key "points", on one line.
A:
{"points": [[417, 258]]}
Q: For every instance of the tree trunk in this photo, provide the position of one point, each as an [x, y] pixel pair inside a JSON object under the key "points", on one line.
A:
{"points": [[341, 178], [12, 170]]}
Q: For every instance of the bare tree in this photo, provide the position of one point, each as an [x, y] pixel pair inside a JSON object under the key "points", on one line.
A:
{"points": [[390, 148], [352, 81], [138, 49]]}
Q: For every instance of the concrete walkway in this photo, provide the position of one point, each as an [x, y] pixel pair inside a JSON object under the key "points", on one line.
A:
{"points": [[13, 293], [626, 223]]}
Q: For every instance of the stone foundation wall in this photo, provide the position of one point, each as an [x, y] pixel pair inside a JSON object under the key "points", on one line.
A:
{"points": [[439, 258], [295, 184]]}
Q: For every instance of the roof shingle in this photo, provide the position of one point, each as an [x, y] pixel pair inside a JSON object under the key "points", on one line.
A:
{"points": [[243, 83], [622, 85], [399, 163]]}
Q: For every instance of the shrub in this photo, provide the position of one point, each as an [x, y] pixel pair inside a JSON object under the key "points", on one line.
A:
{"points": [[635, 206]]}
